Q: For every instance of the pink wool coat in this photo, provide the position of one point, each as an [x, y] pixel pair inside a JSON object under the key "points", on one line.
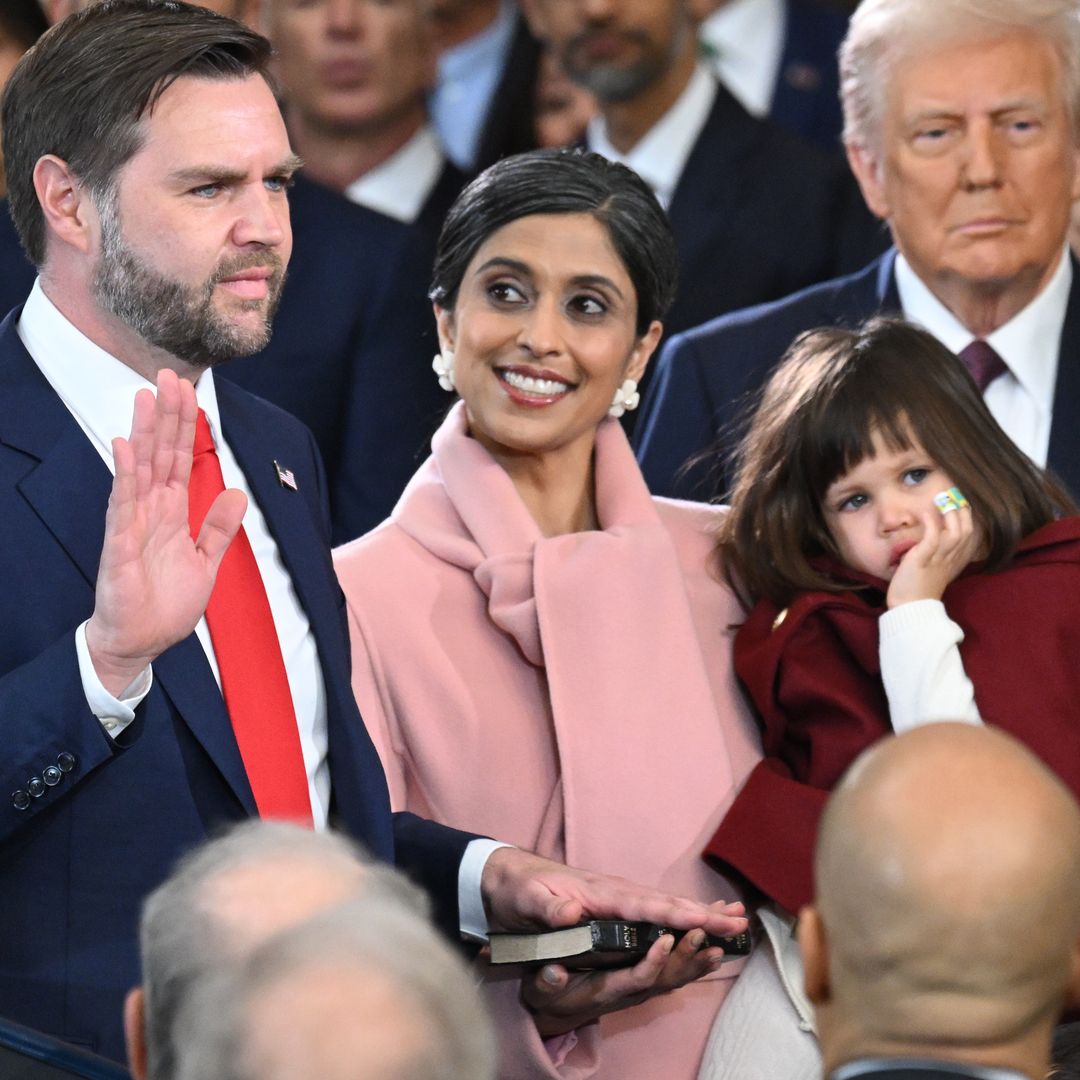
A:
{"points": [[572, 695]]}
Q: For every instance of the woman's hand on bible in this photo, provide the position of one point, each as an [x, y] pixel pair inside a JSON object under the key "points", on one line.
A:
{"points": [[561, 1000]]}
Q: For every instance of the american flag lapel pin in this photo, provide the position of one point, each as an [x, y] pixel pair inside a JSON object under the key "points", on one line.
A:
{"points": [[285, 477]]}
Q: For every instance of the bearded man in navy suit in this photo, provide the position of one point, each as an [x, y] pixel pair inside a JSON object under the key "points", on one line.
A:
{"points": [[148, 166]]}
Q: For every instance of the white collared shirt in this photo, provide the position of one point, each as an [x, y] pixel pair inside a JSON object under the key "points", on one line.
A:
{"points": [[400, 185], [99, 392], [467, 79], [1021, 400], [746, 41], [661, 155]]}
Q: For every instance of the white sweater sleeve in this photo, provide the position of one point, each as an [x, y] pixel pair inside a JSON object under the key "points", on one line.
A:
{"points": [[921, 668]]}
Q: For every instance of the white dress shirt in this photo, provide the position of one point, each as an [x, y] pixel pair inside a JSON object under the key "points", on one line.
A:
{"points": [[468, 76], [1021, 400], [661, 155], [99, 392], [399, 186], [745, 42]]}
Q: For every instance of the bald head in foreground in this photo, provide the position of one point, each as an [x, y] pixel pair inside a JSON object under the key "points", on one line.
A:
{"points": [[947, 914]]}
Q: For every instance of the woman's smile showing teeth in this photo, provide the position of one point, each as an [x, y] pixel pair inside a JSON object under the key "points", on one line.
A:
{"points": [[533, 388]]}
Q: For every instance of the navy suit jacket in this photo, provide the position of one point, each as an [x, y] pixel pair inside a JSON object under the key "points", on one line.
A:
{"points": [[510, 124], [394, 402], [705, 387], [806, 99], [76, 863], [757, 213], [17, 272]]}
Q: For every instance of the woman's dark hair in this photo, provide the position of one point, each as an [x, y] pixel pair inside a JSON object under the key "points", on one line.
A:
{"points": [[834, 389], [563, 182]]}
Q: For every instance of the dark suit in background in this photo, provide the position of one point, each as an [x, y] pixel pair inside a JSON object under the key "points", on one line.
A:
{"points": [[757, 214], [352, 345], [17, 272], [510, 124], [807, 96], [106, 820], [703, 390]]}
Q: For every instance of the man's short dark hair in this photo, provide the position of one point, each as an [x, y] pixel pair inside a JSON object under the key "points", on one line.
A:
{"points": [[82, 90]]}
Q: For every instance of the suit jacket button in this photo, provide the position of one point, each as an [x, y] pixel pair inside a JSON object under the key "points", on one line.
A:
{"points": [[20, 800], [66, 761], [35, 787], [52, 776]]}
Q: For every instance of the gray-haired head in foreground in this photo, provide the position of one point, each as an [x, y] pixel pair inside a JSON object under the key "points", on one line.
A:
{"points": [[883, 32], [564, 182], [187, 934], [366, 991]]}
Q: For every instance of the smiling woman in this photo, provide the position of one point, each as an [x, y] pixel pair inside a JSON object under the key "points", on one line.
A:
{"points": [[540, 647]]}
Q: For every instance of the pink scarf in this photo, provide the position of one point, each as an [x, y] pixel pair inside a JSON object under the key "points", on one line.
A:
{"points": [[605, 615]]}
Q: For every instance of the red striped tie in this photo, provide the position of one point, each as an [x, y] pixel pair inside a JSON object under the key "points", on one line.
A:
{"points": [[253, 679]]}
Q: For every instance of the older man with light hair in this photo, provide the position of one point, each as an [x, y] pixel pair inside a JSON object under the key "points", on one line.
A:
{"points": [[224, 900], [961, 128], [367, 991]]}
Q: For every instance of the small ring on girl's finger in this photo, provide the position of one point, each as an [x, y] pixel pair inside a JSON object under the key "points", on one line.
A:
{"points": [[948, 501]]}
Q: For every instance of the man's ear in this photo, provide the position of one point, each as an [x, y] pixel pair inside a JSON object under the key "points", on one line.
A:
{"points": [[814, 946], [867, 170], [135, 1032], [70, 214]]}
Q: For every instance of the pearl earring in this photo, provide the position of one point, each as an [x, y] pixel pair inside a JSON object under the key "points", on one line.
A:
{"points": [[443, 366], [626, 399]]}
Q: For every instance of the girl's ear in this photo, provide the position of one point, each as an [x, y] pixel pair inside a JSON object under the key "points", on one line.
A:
{"points": [[643, 350]]}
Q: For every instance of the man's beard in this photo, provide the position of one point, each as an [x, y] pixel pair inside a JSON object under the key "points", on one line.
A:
{"points": [[612, 83], [180, 319]]}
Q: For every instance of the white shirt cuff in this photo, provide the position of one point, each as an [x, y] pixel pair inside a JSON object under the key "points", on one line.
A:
{"points": [[471, 914], [114, 713]]}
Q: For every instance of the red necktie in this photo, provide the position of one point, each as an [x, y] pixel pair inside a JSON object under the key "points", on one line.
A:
{"points": [[253, 679], [983, 362]]}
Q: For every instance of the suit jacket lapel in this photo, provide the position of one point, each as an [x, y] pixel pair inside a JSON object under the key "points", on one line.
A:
{"points": [[710, 176], [69, 491]]}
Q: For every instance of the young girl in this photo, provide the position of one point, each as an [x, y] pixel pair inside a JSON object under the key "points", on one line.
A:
{"points": [[873, 609]]}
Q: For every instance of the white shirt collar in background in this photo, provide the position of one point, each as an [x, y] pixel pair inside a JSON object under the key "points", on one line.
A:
{"points": [[746, 41], [661, 155], [400, 186]]}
